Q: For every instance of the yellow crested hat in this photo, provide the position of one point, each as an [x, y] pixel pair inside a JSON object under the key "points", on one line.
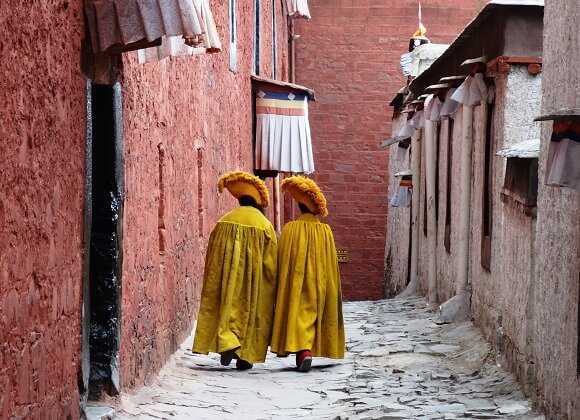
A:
{"points": [[240, 183], [305, 191]]}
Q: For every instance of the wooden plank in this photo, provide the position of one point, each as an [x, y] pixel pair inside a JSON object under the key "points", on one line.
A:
{"points": [[394, 140]]}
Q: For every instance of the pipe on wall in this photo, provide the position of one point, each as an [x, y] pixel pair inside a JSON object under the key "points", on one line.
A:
{"points": [[416, 167], [459, 306], [465, 199], [430, 155], [276, 188]]}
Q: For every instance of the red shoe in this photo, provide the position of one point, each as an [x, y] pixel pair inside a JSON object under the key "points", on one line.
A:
{"points": [[304, 360]]}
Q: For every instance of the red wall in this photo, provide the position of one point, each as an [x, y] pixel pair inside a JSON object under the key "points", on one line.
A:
{"points": [[42, 158], [186, 121], [349, 54]]}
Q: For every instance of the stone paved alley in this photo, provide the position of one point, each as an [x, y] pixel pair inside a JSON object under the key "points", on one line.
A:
{"points": [[399, 365]]}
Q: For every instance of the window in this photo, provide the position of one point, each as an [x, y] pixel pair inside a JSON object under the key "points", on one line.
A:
{"points": [[425, 204], [436, 194], [233, 37], [103, 238], [447, 238], [487, 199], [437, 160], [578, 347], [521, 184], [274, 41], [257, 26]]}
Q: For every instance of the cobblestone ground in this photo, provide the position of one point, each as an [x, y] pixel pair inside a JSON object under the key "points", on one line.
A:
{"points": [[399, 365]]}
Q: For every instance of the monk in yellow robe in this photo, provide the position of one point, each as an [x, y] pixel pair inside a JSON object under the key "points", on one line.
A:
{"points": [[308, 320], [239, 285]]}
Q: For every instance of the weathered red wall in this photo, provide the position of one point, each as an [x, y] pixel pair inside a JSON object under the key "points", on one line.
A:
{"points": [[349, 53], [186, 120], [42, 155]]}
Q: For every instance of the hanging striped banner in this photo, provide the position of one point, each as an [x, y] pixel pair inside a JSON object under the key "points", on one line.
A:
{"points": [[283, 140]]}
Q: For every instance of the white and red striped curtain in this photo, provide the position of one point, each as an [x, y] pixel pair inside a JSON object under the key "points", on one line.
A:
{"points": [[283, 140]]}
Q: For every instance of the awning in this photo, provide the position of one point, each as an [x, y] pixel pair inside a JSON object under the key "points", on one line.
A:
{"points": [[393, 140], [472, 91], [405, 173], [124, 25], [561, 114], [524, 149], [298, 9], [283, 141]]}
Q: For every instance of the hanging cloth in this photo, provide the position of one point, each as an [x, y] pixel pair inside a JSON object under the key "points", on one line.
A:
{"points": [[173, 46], [406, 130], [450, 106], [297, 9], [563, 165], [461, 94], [435, 108], [418, 120], [402, 196], [283, 140], [119, 23], [477, 90]]}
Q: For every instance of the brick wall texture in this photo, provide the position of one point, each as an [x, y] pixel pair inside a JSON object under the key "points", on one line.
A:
{"points": [[349, 54], [186, 120]]}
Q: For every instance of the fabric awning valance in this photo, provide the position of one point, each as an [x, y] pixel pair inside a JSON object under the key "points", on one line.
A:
{"points": [[527, 149], [298, 8], [124, 25], [283, 141]]}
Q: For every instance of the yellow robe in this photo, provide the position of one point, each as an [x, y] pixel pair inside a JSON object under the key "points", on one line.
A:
{"points": [[239, 287], [309, 300]]}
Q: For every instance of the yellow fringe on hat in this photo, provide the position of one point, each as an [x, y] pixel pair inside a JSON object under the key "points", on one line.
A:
{"points": [[305, 191], [241, 183]]}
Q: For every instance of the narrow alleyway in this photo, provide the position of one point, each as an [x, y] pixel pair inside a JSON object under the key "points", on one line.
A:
{"points": [[399, 365]]}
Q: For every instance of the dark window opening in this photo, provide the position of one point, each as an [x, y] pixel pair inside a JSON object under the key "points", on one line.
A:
{"points": [[437, 160], [233, 36], [257, 28], [274, 41], [578, 320], [487, 199], [520, 188], [447, 238], [436, 194], [425, 204], [105, 205]]}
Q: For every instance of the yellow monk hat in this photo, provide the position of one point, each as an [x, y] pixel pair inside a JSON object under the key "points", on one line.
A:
{"points": [[240, 183], [305, 191]]}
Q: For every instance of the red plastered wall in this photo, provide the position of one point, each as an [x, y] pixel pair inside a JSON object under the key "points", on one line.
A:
{"points": [[187, 120], [42, 160]]}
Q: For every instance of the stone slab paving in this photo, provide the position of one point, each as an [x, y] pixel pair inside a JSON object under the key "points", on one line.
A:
{"points": [[399, 365]]}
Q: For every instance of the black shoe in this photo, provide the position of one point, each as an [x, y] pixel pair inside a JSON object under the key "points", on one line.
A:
{"points": [[243, 365], [226, 357], [304, 360]]}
